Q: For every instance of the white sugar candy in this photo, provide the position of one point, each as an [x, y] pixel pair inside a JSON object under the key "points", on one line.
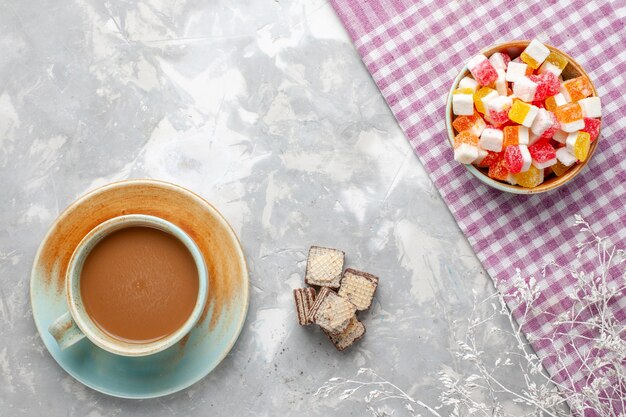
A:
{"points": [[543, 121], [525, 89], [591, 106], [468, 82], [565, 157], [534, 54], [502, 86], [491, 140], [465, 154], [515, 71], [462, 104]]}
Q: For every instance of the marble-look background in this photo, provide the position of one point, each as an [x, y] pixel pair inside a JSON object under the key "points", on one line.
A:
{"points": [[264, 109]]}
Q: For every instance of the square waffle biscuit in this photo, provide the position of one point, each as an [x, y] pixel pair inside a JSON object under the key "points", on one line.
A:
{"points": [[353, 332], [358, 287], [324, 267], [331, 312]]}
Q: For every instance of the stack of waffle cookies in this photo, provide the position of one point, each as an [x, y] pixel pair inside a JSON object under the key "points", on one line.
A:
{"points": [[340, 295]]}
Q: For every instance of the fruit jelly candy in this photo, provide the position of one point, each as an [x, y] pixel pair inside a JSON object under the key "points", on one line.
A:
{"points": [[465, 137], [500, 60], [570, 116], [489, 160], [555, 101], [482, 154], [565, 157], [482, 70], [463, 102], [474, 123], [465, 154], [534, 54], [573, 126], [523, 113], [561, 137], [539, 104], [591, 106], [543, 154], [531, 178], [502, 87], [517, 158], [592, 126], [511, 179], [579, 145], [547, 85], [559, 169], [525, 89], [482, 97], [576, 88], [491, 140], [554, 85], [556, 126], [515, 71], [498, 109], [554, 63], [498, 170], [469, 82], [533, 138], [515, 135], [543, 121], [569, 112]]}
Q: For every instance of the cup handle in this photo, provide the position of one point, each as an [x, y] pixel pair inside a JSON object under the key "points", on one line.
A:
{"points": [[65, 331]]}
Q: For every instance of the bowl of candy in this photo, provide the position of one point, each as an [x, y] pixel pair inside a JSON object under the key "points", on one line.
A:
{"points": [[523, 117]]}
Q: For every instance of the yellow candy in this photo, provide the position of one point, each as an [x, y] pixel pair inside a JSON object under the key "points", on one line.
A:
{"points": [[522, 113], [478, 98], [581, 148], [528, 60], [463, 91], [559, 169], [557, 60], [531, 178]]}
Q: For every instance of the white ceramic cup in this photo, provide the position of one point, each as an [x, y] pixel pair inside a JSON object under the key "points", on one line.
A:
{"points": [[76, 324]]}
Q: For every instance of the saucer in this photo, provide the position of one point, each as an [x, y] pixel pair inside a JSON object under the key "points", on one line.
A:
{"points": [[198, 353]]}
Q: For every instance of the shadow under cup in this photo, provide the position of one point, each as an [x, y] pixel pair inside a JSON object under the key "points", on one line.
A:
{"points": [[136, 285]]}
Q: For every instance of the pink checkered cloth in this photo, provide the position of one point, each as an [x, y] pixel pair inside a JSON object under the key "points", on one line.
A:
{"points": [[414, 50]]}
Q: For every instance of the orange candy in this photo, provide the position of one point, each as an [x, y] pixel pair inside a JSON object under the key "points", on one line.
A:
{"points": [[474, 123], [569, 113], [577, 88], [465, 137], [498, 170], [515, 135]]}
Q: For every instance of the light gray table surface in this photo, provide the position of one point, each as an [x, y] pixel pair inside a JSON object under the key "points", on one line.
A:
{"points": [[265, 109]]}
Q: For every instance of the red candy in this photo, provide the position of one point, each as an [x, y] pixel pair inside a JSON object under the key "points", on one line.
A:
{"points": [[482, 70], [513, 160], [498, 169], [542, 152], [547, 85], [554, 85], [539, 104], [498, 118], [592, 126], [489, 160]]}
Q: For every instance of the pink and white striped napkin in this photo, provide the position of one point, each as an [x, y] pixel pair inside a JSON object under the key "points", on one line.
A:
{"points": [[414, 49]]}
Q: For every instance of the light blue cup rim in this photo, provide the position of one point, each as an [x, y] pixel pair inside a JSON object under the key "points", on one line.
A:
{"points": [[74, 301]]}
